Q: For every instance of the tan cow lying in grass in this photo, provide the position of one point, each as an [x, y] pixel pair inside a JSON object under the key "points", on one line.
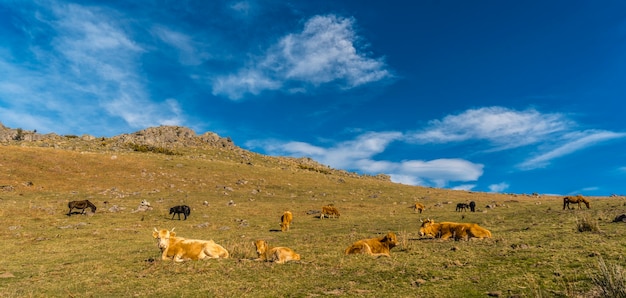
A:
{"points": [[329, 210], [445, 230], [280, 255], [180, 249], [418, 207], [285, 221], [375, 246]]}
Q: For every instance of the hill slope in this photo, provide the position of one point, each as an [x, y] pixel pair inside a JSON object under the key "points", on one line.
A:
{"points": [[237, 196]]}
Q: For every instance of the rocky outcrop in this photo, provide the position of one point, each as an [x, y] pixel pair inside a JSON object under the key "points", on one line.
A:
{"points": [[162, 136], [173, 136]]}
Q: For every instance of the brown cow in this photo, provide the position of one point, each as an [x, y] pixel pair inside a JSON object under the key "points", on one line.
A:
{"points": [[180, 249], [575, 200], [285, 221], [418, 207], [445, 230], [329, 210], [375, 246], [279, 255]]}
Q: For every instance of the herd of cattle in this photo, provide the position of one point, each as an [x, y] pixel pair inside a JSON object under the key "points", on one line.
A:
{"points": [[181, 249]]}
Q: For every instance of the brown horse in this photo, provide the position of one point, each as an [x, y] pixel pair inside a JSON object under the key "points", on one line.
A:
{"points": [[575, 200], [80, 205]]}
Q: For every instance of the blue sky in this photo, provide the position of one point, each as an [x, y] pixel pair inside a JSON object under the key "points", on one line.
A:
{"points": [[495, 96]]}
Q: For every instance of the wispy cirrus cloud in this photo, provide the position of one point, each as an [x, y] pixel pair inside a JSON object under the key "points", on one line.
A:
{"points": [[87, 69], [570, 143], [325, 51], [552, 135], [188, 49], [504, 128]]}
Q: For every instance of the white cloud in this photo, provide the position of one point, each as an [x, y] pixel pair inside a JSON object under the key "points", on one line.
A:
{"points": [[188, 49], [466, 187], [242, 7], [89, 71], [358, 155], [572, 142], [552, 134], [505, 128], [245, 81], [500, 187], [323, 52]]}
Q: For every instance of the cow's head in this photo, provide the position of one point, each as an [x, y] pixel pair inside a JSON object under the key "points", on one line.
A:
{"points": [[261, 247], [390, 239], [428, 228], [163, 237]]}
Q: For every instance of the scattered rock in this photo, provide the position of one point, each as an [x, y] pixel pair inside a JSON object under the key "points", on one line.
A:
{"points": [[7, 275], [418, 282], [494, 293], [231, 203], [115, 208], [203, 225], [520, 246], [143, 206], [620, 218], [242, 222]]}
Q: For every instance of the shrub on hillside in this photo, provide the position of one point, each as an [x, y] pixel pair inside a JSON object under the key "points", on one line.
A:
{"points": [[586, 224], [611, 279], [153, 149]]}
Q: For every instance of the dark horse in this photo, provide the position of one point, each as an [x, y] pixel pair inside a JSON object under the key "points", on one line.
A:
{"points": [[462, 207], [80, 205], [184, 209], [575, 200], [472, 206]]}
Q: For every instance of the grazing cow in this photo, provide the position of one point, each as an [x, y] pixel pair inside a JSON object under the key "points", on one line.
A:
{"points": [[445, 230], [575, 200], [472, 206], [280, 255], [418, 207], [329, 210], [181, 249], [184, 209], [81, 205], [375, 246], [461, 207], [285, 221]]}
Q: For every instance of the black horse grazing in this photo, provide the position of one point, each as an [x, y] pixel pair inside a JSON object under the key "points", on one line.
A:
{"points": [[80, 205], [461, 207], [184, 209], [472, 206]]}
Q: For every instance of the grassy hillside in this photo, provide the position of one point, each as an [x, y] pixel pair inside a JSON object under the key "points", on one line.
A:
{"points": [[536, 250]]}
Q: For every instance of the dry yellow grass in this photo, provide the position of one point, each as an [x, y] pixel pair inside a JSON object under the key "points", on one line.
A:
{"points": [[536, 250]]}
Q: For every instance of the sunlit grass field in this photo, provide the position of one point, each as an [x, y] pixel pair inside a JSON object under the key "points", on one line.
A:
{"points": [[536, 249]]}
